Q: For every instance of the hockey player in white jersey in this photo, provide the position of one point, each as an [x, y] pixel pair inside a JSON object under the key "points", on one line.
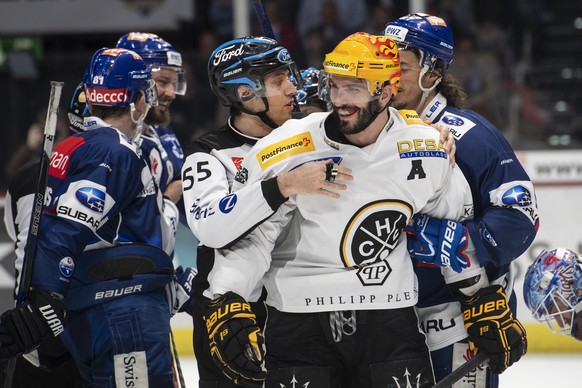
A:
{"points": [[251, 76], [503, 226], [341, 295]]}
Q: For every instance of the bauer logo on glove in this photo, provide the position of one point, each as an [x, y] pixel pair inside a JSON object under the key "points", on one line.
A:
{"points": [[236, 342]]}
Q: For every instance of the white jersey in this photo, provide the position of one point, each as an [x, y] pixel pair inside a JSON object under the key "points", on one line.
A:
{"points": [[350, 253], [216, 216]]}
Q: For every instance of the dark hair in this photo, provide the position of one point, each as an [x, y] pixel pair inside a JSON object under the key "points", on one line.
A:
{"points": [[107, 112], [451, 88]]}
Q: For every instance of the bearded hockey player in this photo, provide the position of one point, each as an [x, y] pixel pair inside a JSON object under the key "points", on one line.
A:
{"points": [[252, 76], [341, 296]]}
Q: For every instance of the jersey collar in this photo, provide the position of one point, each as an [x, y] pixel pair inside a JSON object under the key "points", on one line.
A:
{"points": [[434, 108]]}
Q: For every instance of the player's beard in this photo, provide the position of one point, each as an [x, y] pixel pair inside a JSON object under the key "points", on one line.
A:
{"points": [[364, 114], [158, 116]]}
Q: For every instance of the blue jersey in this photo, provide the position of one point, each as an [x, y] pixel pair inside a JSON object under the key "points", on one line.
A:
{"points": [[100, 193], [162, 148], [504, 223]]}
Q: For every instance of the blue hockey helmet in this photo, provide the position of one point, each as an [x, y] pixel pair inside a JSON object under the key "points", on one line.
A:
{"points": [[310, 78], [116, 76], [430, 34], [246, 61], [552, 291], [157, 53]]}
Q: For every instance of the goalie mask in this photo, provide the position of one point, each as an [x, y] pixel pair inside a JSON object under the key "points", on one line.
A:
{"points": [[157, 54], [553, 291]]}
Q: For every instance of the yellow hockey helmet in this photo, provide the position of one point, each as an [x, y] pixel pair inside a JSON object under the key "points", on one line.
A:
{"points": [[370, 57]]}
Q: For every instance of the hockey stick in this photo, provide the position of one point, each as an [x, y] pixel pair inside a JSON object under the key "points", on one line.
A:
{"points": [[263, 19], [177, 361], [50, 127], [461, 371]]}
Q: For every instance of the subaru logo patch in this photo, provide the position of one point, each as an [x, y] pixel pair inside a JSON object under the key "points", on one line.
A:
{"points": [[91, 198], [227, 203], [517, 195], [66, 266], [453, 120]]}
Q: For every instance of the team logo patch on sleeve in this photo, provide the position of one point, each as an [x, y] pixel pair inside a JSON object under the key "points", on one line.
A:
{"points": [[421, 148], [274, 153]]}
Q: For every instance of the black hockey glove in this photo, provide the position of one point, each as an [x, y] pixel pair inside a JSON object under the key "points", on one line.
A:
{"points": [[23, 328], [236, 342], [493, 329]]}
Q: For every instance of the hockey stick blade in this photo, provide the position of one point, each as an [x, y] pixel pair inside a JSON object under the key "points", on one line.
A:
{"points": [[461, 371], [263, 19]]}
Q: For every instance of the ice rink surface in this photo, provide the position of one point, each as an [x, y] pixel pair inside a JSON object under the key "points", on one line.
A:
{"points": [[535, 370]]}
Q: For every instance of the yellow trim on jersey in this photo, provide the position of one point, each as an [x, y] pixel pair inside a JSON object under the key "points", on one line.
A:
{"points": [[410, 116], [274, 153]]}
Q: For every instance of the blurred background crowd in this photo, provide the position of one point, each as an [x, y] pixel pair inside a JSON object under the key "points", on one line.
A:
{"points": [[520, 61]]}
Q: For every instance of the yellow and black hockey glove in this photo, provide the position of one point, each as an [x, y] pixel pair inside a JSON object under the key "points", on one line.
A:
{"points": [[236, 342], [493, 329]]}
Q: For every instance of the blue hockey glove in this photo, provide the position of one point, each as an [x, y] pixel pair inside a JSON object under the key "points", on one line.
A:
{"points": [[439, 242], [180, 288]]}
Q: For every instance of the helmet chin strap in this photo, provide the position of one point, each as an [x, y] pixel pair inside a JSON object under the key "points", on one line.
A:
{"points": [[138, 122], [425, 91], [261, 115]]}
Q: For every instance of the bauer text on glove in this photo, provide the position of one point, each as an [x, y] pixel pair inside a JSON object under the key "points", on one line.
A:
{"points": [[236, 342], [492, 328]]}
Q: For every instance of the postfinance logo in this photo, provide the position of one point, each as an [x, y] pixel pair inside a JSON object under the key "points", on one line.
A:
{"points": [[274, 153], [410, 116]]}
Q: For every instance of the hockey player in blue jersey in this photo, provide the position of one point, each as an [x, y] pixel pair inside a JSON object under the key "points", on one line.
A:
{"points": [[504, 223], [166, 66], [103, 244]]}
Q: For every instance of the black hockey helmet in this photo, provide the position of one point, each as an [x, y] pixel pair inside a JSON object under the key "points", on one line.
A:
{"points": [[245, 61]]}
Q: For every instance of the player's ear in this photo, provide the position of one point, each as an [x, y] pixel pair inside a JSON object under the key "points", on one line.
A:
{"points": [[386, 93], [245, 93]]}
